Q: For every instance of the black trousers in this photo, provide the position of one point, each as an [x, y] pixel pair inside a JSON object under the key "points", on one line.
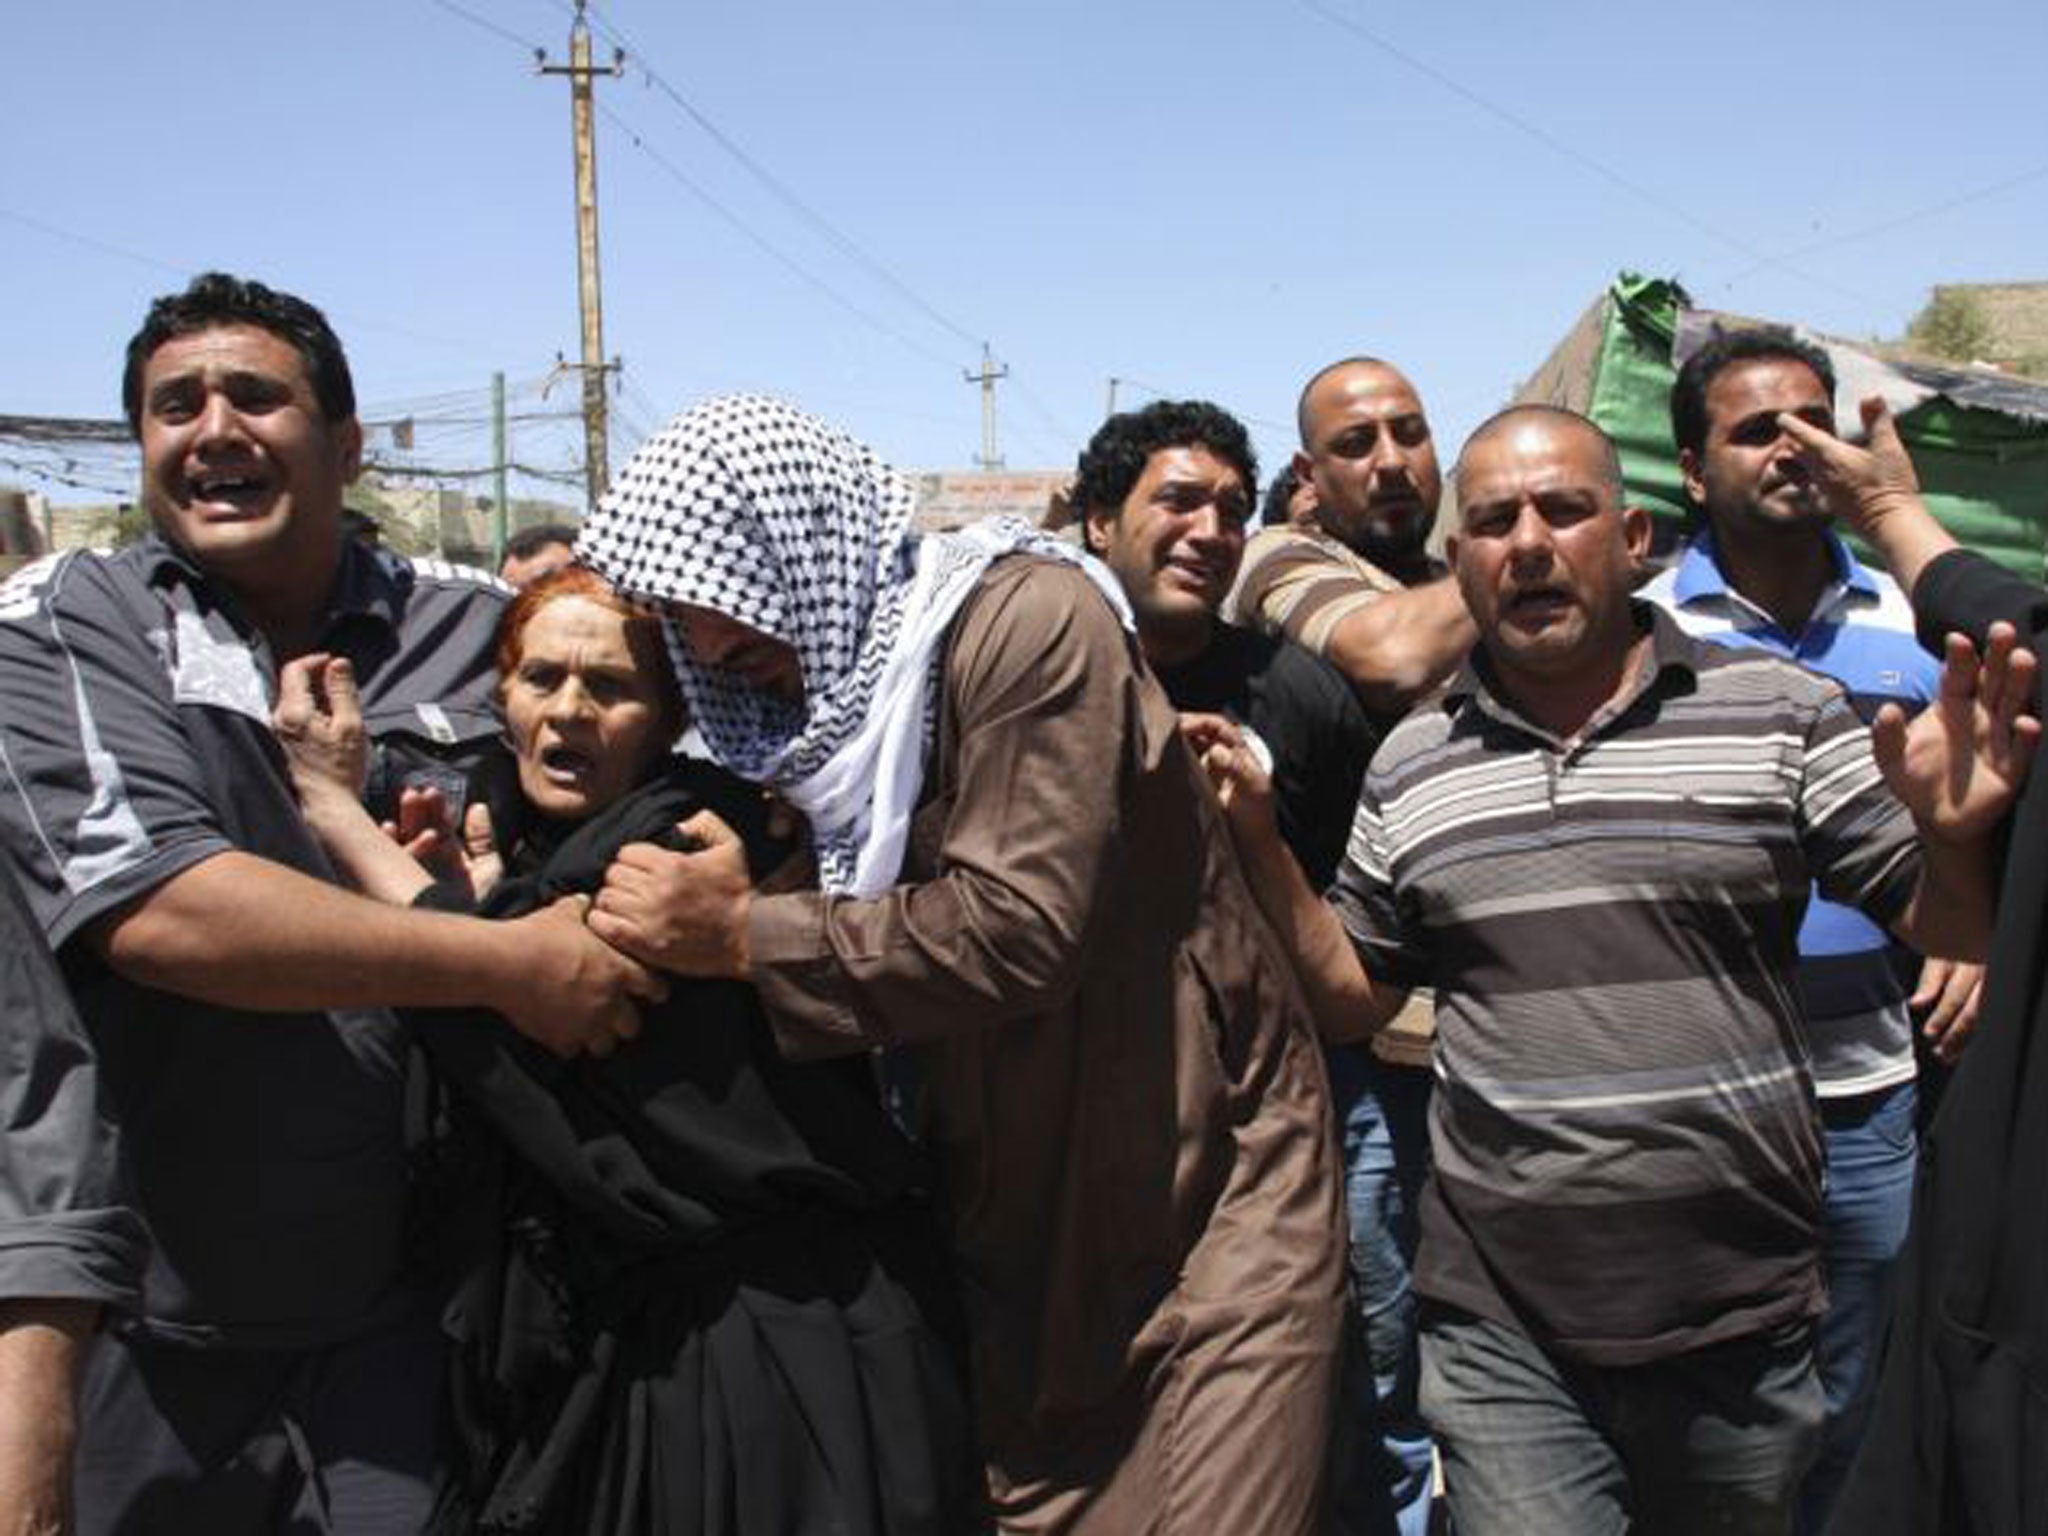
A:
{"points": [[342, 1440]]}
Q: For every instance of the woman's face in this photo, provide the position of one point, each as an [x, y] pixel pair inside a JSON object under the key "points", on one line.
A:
{"points": [[587, 720]]}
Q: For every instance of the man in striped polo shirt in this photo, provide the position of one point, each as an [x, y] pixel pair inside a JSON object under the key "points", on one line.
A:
{"points": [[1768, 571], [1596, 845]]}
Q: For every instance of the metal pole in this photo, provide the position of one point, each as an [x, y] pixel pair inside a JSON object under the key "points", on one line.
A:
{"points": [[503, 506], [596, 469], [990, 459]]}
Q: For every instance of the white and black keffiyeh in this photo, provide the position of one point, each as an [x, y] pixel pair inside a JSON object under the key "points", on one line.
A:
{"points": [[751, 508]]}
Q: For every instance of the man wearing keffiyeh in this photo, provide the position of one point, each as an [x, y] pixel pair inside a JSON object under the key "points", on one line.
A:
{"points": [[1022, 876]]}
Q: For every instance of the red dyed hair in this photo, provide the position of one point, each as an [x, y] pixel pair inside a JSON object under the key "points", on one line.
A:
{"points": [[643, 630]]}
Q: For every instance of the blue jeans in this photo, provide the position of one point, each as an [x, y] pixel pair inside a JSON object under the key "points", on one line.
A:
{"points": [[1711, 1441], [1383, 1116], [1871, 1155]]}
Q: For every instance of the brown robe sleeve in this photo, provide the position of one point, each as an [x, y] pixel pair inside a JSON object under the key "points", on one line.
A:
{"points": [[1037, 686]]}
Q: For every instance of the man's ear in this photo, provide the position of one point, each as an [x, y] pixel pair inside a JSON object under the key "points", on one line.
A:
{"points": [[349, 439], [1095, 526], [1689, 476], [1636, 529]]}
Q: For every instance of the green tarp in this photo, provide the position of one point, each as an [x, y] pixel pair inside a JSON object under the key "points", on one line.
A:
{"points": [[1984, 472]]}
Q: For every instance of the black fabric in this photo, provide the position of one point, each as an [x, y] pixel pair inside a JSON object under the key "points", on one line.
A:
{"points": [[1308, 716], [701, 1293], [1958, 1440]]}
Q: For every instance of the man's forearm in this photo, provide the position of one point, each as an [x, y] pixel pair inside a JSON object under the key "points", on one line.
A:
{"points": [[1400, 645], [1952, 908], [41, 1346], [1906, 536], [243, 932], [1344, 1001]]}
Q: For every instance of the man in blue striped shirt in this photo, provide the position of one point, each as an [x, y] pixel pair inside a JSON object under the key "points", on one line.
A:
{"points": [[1766, 570]]}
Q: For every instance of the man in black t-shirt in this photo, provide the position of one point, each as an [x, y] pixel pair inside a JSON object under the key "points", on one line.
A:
{"points": [[1165, 494]]}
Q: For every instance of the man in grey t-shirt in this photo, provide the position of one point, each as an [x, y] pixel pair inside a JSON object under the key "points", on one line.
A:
{"points": [[235, 993]]}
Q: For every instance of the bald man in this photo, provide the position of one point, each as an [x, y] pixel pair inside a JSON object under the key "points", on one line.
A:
{"points": [[1350, 578], [1596, 844]]}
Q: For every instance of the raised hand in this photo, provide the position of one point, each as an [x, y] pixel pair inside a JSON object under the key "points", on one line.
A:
{"points": [[318, 721], [1238, 770], [1960, 763]]}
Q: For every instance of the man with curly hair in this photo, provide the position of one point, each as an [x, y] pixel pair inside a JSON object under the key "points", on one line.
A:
{"points": [[1164, 495]]}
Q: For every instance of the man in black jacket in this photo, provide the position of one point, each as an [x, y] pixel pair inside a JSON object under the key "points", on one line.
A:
{"points": [[1958, 1443]]}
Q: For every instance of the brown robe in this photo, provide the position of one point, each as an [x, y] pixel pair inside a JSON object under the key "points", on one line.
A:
{"points": [[1121, 1081]]}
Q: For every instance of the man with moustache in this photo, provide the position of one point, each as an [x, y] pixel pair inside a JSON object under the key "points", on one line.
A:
{"points": [[1350, 578], [1596, 844], [282, 1365], [1164, 495], [1767, 570], [1356, 583]]}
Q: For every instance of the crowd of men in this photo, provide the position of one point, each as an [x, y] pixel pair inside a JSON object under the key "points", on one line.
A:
{"points": [[1411, 1041]]}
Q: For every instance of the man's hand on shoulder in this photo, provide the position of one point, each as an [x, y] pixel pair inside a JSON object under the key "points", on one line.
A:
{"points": [[565, 988], [682, 912]]}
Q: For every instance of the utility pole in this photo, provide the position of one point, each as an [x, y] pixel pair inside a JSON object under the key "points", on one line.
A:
{"points": [[596, 469], [1112, 398], [502, 507], [990, 459]]}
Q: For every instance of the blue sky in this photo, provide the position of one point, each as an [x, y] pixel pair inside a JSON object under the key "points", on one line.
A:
{"points": [[1197, 197]]}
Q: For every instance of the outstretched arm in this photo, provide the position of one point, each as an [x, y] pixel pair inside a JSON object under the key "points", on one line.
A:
{"points": [[1874, 490], [1958, 768], [319, 723], [1345, 1001], [1397, 647]]}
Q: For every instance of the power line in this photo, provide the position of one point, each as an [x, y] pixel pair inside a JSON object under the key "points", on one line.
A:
{"points": [[91, 243], [783, 192], [487, 24], [1558, 146], [761, 243], [1900, 221]]}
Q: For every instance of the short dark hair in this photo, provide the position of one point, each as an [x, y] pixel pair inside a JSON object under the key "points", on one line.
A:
{"points": [[528, 542], [1117, 454], [1723, 348], [1343, 364], [1277, 509], [214, 299], [1500, 421]]}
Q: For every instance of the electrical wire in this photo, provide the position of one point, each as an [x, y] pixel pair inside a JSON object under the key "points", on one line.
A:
{"points": [[1900, 221], [487, 25], [781, 189], [1644, 194], [761, 243]]}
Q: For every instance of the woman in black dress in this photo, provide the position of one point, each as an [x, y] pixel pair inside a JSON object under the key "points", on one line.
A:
{"points": [[696, 1289]]}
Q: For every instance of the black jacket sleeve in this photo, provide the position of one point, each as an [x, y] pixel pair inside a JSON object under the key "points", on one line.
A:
{"points": [[1962, 592]]}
